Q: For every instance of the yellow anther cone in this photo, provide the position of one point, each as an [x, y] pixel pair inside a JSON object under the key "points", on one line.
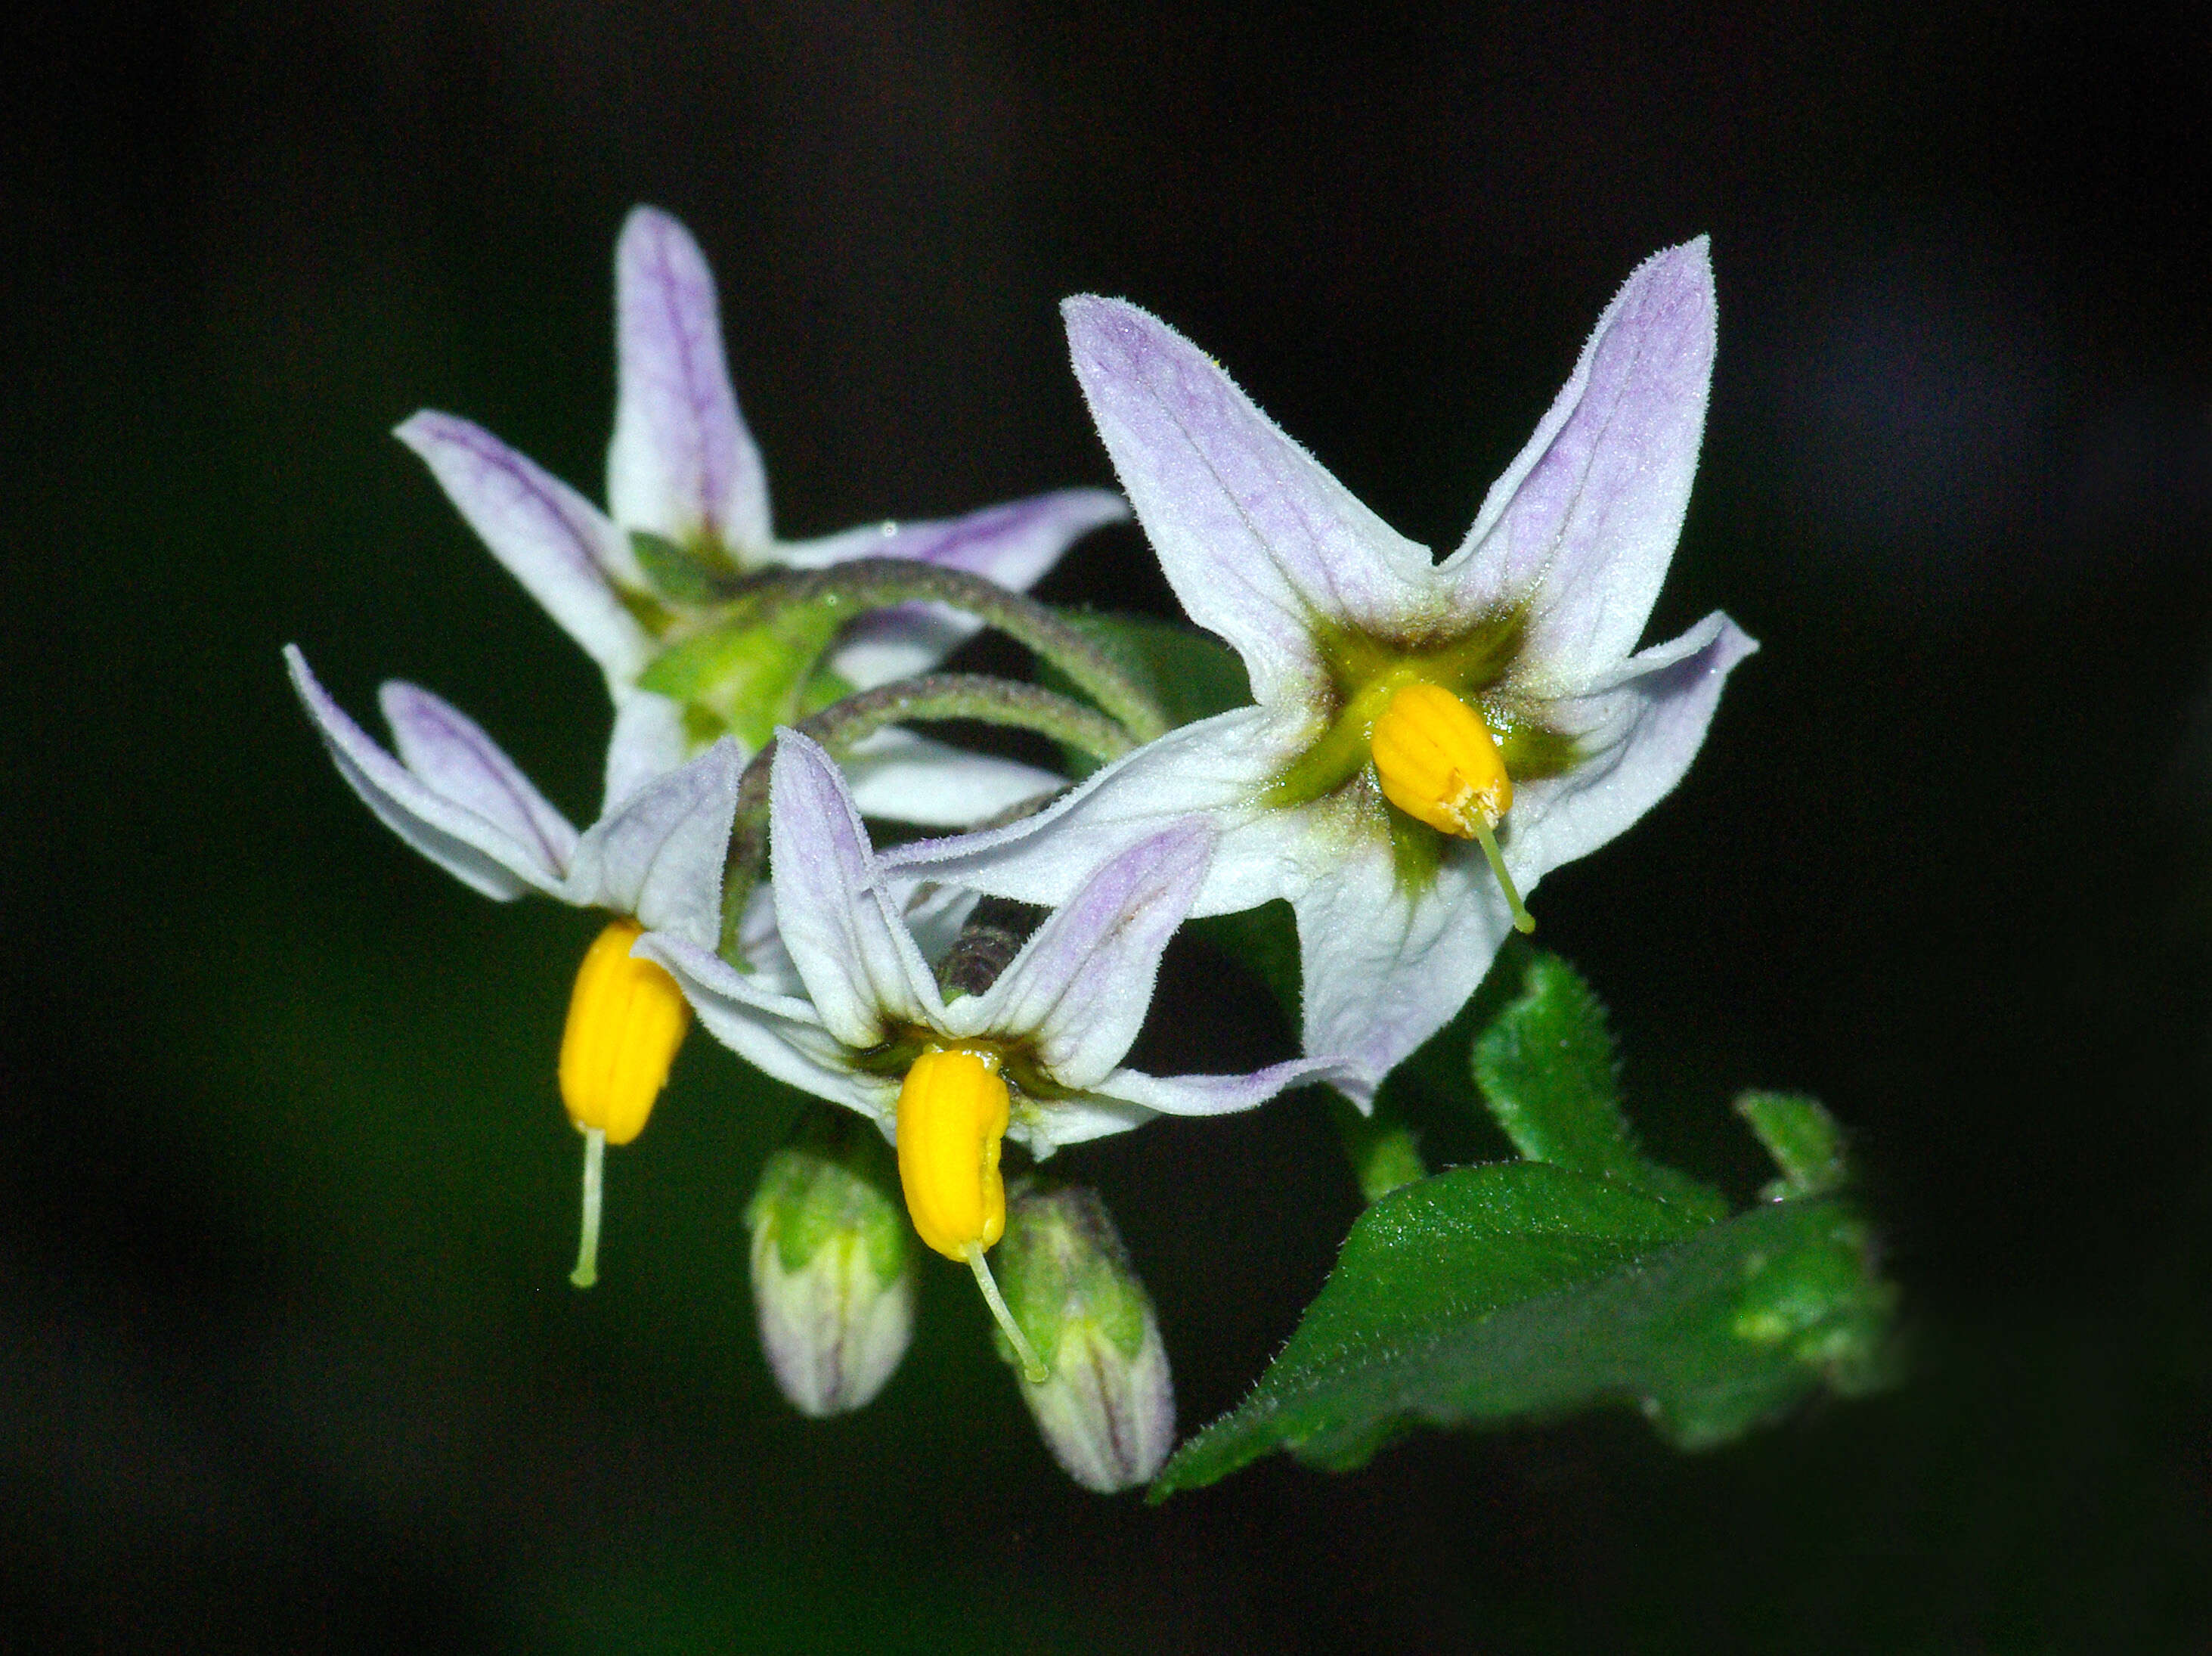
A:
{"points": [[1438, 763], [952, 1114], [626, 1020]]}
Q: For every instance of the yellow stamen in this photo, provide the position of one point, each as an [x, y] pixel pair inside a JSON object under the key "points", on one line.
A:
{"points": [[626, 1020], [952, 1114], [1438, 763]]}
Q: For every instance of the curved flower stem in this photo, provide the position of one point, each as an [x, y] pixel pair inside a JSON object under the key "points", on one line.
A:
{"points": [[841, 725], [881, 583]]}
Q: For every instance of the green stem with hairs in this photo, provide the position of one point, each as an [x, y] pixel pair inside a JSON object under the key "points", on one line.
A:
{"points": [[881, 583], [933, 696]]}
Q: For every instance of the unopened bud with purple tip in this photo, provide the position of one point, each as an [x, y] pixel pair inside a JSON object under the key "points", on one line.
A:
{"points": [[1107, 1409], [832, 1264]]}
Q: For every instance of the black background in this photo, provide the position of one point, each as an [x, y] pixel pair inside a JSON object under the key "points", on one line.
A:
{"points": [[286, 1357]]}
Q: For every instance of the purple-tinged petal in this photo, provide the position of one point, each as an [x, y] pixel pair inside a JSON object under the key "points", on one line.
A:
{"points": [[1079, 989], [658, 856], [1129, 1098], [559, 545], [898, 776], [1256, 539], [1583, 522], [778, 1034], [1012, 544], [1218, 768], [898, 643], [1386, 965], [681, 463], [837, 920], [769, 966], [1639, 728], [1041, 1129], [451, 752], [648, 742], [1220, 1095], [476, 850]]}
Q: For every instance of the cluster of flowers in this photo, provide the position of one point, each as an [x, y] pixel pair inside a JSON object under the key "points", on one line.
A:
{"points": [[1425, 740]]}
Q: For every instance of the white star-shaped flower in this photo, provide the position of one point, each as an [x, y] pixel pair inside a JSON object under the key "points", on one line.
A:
{"points": [[684, 475], [455, 797], [842, 998], [1406, 708], [653, 860], [842, 1002]]}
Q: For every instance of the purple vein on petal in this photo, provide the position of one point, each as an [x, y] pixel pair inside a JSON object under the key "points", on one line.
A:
{"points": [[421, 722], [682, 460], [431, 434]]}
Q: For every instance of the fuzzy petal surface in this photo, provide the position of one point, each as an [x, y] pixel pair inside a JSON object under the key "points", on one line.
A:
{"points": [[1013, 543], [779, 1034], [1386, 965], [681, 463], [1255, 537], [448, 751], [1128, 1098], [1081, 986], [837, 917], [659, 854], [1645, 722], [559, 545], [646, 743], [472, 847], [1217, 768], [1218, 1095], [1585, 520], [772, 970], [1042, 1129]]}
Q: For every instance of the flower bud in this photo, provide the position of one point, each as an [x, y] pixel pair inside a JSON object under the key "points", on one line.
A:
{"points": [[1107, 1411], [832, 1264]]}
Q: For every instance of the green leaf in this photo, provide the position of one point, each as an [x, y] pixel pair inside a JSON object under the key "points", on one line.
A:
{"points": [[1548, 1070], [750, 671], [1192, 675], [1803, 1139], [1495, 1294]]}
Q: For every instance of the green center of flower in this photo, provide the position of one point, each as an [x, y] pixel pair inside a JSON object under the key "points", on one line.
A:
{"points": [[1368, 673], [1012, 1056], [1365, 673], [749, 664]]}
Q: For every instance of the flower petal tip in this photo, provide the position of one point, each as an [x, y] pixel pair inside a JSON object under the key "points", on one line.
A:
{"points": [[1099, 327], [646, 227], [1675, 283]]}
